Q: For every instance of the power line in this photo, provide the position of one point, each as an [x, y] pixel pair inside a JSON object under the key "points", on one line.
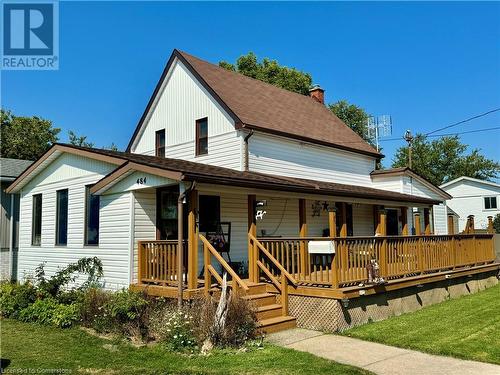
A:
{"points": [[464, 121], [467, 132], [430, 136]]}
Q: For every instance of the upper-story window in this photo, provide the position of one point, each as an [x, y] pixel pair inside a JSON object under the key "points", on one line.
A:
{"points": [[36, 221], [202, 136], [62, 217], [490, 203], [160, 143]]}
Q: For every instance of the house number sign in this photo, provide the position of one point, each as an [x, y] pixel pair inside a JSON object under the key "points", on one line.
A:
{"points": [[141, 180]]}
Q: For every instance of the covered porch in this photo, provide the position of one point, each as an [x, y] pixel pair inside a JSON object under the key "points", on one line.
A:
{"points": [[265, 231]]}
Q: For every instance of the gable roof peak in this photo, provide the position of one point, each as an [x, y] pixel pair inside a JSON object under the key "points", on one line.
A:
{"points": [[263, 107]]}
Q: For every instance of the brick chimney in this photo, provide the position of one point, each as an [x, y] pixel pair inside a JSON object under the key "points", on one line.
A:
{"points": [[317, 93]]}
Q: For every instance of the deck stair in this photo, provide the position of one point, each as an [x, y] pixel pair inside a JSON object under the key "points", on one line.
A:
{"points": [[268, 310]]}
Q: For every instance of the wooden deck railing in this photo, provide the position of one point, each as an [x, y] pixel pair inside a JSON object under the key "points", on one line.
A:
{"points": [[209, 270], [397, 256], [157, 262]]}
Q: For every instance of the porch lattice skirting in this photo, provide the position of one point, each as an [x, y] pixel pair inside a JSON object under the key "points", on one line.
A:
{"points": [[330, 316]]}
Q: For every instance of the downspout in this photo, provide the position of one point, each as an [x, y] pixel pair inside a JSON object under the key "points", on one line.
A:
{"points": [[180, 240], [246, 160]]}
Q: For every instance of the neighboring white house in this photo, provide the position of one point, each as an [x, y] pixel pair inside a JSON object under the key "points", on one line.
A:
{"points": [[9, 216], [228, 138], [473, 197]]}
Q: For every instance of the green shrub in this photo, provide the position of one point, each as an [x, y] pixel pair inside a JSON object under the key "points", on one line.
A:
{"points": [[50, 312], [126, 305], [124, 312], [14, 297], [92, 267]]}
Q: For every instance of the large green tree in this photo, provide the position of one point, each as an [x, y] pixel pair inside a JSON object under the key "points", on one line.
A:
{"points": [[272, 72], [444, 159], [25, 137], [353, 116]]}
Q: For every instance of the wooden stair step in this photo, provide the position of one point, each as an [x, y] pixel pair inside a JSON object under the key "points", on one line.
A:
{"points": [[259, 288], [268, 311], [276, 324], [262, 299]]}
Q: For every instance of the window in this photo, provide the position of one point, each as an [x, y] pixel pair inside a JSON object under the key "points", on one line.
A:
{"points": [[209, 214], [202, 136], [160, 143], [62, 217], [91, 218], [36, 225], [490, 203]]}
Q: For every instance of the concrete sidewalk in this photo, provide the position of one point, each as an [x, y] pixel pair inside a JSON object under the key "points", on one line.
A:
{"points": [[378, 358]]}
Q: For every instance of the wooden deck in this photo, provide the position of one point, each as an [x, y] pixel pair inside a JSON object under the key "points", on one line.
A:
{"points": [[287, 266]]}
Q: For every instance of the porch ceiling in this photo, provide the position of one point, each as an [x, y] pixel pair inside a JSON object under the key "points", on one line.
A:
{"points": [[182, 170]]}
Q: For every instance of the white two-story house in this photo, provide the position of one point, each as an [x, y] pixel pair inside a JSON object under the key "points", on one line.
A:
{"points": [[471, 196], [228, 158]]}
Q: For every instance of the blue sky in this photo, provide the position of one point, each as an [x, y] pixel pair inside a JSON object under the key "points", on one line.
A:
{"points": [[425, 64]]}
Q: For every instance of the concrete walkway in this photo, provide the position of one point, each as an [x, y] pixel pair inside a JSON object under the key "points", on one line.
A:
{"points": [[378, 358]]}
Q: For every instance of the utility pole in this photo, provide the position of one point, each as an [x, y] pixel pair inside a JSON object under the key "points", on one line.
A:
{"points": [[409, 138]]}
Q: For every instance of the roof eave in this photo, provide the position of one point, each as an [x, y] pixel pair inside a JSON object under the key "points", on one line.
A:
{"points": [[376, 155], [297, 189]]}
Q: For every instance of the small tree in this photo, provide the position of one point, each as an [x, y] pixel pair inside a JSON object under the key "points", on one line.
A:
{"points": [[79, 140]]}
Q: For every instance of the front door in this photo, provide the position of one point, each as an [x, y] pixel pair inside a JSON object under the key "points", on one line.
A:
{"points": [[392, 222], [166, 212]]}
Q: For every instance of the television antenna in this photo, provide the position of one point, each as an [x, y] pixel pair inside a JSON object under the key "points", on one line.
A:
{"points": [[379, 127]]}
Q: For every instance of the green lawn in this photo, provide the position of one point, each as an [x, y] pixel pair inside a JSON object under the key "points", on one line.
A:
{"points": [[32, 346], [467, 327]]}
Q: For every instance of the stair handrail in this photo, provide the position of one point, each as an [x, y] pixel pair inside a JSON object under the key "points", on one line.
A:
{"points": [[207, 246], [261, 247]]}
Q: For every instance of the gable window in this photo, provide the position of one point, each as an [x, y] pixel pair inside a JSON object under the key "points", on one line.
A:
{"points": [[160, 143], [36, 224], [202, 136], [490, 203], [62, 217], [91, 217]]}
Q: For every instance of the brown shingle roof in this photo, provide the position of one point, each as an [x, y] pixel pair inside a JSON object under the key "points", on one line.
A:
{"points": [[254, 104], [218, 175]]}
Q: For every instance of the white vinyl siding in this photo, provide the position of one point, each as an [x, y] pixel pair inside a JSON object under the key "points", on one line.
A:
{"points": [[362, 220], [440, 219], [74, 172], [224, 150], [181, 101], [280, 156], [144, 220], [468, 199], [415, 187]]}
